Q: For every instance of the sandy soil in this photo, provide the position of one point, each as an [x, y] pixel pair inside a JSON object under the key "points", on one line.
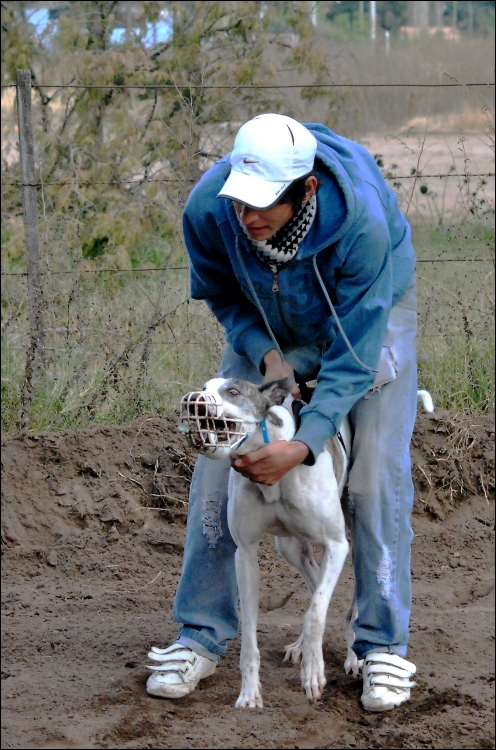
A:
{"points": [[441, 153], [89, 575]]}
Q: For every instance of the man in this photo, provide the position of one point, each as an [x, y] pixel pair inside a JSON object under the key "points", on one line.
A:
{"points": [[301, 252]]}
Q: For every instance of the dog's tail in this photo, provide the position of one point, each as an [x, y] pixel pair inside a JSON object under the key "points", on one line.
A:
{"points": [[427, 401]]}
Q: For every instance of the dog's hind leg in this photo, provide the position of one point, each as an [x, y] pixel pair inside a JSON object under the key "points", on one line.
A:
{"points": [[312, 663], [248, 575], [299, 554], [352, 664]]}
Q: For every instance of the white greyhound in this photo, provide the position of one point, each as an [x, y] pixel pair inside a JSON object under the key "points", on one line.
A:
{"points": [[232, 418], [302, 508]]}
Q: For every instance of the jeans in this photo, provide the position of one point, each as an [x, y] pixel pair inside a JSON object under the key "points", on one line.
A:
{"points": [[380, 490]]}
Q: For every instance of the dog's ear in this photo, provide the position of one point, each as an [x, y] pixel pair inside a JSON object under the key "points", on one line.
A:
{"points": [[277, 390]]}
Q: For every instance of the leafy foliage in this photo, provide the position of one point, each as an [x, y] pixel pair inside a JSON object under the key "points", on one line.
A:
{"points": [[100, 135]]}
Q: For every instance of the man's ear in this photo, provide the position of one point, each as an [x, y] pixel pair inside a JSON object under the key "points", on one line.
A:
{"points": [[277, 390]]}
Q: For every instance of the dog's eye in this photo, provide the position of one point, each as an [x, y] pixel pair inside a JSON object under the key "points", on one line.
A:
{"points": [[233, 392], [204, 388]]}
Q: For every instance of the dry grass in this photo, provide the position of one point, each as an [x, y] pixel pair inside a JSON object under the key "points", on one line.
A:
{"points": [[409, 62]]}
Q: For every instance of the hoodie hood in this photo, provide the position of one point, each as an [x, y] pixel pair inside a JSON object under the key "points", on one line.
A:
{"points": [[344, 169]]}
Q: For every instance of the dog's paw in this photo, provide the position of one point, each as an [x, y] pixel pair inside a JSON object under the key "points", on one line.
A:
{"points": [[294, 651], [353, 664], [250, 697], [312, 675]]}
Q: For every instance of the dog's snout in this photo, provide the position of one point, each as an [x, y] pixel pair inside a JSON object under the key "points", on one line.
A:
{"points": [[206, 425], [200, 404]]}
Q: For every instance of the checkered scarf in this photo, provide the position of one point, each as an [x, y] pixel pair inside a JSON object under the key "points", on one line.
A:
{"points": [[283, 245]]}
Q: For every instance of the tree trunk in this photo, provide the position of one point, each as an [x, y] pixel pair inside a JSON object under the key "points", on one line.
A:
{"points": [[373, 19], [439, 5], [423, 15], [454, 19], [470, 18]]}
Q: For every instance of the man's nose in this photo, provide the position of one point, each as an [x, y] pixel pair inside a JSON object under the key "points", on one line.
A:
{"points": [[248, 216]]}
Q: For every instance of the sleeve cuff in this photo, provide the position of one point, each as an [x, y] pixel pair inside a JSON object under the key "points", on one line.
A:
{"points": [[315, 429]]}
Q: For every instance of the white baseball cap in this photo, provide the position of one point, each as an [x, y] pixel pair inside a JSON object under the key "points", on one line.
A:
{"points": [[270, 152]]}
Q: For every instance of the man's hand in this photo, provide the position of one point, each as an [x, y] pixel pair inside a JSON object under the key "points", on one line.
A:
{"points": [[269, 464], [277, 369]]}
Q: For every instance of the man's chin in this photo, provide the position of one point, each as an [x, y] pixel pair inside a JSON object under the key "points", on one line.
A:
{"points": [[260, 236]]}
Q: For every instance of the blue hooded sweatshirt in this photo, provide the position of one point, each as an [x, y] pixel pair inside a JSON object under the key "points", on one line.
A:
{"points": [[364, 255]]}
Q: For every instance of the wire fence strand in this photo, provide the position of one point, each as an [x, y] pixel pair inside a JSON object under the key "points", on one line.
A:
{"points": [[186, 268], [90, 183], [235, 87]]}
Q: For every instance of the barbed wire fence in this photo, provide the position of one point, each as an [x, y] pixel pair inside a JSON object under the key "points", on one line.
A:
{"points": [[75, 330]]}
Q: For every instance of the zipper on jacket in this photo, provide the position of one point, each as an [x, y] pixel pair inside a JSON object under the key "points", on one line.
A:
{"points": [[275, 289], [275, 281]]}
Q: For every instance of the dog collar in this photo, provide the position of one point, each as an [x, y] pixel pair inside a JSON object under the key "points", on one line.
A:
{"points": [[265, 434]]}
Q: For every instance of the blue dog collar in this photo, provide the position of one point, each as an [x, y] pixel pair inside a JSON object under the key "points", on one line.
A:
{"points": [[263, 425]]}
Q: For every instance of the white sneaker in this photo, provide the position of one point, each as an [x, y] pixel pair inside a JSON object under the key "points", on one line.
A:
{"points": [[177, 671], [386, 681]]}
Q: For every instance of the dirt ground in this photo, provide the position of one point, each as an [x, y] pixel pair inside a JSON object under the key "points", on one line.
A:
{"points": [[89, 575], [442, 152]]}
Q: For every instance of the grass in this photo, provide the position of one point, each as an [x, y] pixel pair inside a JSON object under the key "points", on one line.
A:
{"points": [[458, 372], [103, 371], [456, 315], [109, 363], [455, 297]]}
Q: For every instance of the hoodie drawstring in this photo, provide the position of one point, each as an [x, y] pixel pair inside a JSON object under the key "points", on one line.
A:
{"points": [[340, 327]]}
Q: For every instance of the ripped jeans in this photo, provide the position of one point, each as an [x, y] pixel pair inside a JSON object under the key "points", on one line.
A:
{"points": [[380, 504]]}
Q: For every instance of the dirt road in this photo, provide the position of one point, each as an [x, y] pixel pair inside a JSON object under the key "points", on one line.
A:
{"points": [[89, 577]]}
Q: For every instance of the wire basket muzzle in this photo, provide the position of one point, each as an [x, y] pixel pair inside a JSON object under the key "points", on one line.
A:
{"points": [[206, 427]]}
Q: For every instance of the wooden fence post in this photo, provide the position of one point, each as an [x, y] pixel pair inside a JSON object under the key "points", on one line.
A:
{"points": [[35, 354]]}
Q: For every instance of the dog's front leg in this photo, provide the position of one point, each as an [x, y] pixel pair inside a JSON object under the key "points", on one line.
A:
{"points": [[248, 575]]}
